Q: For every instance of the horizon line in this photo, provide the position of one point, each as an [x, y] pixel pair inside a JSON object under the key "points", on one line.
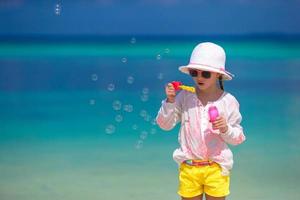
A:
{"points": [[121, 37]]}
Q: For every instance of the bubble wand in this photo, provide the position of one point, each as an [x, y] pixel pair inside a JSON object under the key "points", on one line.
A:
{"points": [[212, 110], [179, 86]]}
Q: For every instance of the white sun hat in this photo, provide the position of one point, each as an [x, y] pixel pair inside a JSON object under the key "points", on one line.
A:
{"points": [[208, 56]]}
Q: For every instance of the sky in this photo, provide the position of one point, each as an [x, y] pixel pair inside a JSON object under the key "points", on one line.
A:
{"points": [[149, 17]]}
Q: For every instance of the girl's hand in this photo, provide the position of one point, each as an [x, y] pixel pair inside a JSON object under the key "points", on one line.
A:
{"points": [[170, 92], [221, 124]]}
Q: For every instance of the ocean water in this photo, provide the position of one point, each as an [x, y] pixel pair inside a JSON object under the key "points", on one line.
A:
{"points": [[76, 119]]}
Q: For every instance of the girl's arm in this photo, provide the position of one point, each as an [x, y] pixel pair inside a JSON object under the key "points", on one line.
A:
{"points": [[169, 114], [234, 135]]}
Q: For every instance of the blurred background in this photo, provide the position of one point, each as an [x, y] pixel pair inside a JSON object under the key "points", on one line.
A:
{"points": [[81, 83]]}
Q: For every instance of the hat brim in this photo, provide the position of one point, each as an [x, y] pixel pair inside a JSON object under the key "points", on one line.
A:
{"points": [[225, 74]]}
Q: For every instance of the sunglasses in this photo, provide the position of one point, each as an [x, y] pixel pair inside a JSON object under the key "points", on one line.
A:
{"points": [[204, 74]]}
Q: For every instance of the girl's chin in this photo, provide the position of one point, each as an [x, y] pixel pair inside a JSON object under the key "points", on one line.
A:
{"points": [[201, 86]]}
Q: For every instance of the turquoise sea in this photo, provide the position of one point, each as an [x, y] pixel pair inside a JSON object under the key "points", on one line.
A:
{"points": [[76, 117]]}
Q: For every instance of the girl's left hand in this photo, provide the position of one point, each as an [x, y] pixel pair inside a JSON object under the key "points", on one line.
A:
{"points": [[221, 124]]}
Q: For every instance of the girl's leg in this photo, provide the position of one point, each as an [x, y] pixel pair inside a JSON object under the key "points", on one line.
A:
{"points": [[193, 198], [207, 197]]}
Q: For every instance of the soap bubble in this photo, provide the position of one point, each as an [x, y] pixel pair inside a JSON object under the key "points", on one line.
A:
{"points": [[92, 102], [130, 79], [153, 131], [119, 118], [57, 9], [139, 144], [144, 97], [144, 135], [143, 113], [158, 57], [124, 60], [117, 105], [133, 40], [128, 108], [110, 129], [147, 118], [111, 87], [94, 77], [160, 76], [134, 127], [167, 50], [145, 90], [153, 122]]}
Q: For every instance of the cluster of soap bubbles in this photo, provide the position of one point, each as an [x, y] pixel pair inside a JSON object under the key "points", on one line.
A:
{"points": [[147, 117], [144, 134], [57, 9], [139, 144], [132, 41], [128, 108], [145, 94], [122, 108], [110, 87], [118, 106], [159, 55]]}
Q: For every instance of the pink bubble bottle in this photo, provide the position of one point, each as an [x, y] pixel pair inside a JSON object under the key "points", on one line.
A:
{"points": [[213, 113]]}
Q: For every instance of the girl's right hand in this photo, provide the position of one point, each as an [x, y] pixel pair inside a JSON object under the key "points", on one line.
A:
{"points": [[170, 92]]}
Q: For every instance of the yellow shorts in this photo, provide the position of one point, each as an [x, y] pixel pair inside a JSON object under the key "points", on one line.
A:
{"points": [[196, 180]]}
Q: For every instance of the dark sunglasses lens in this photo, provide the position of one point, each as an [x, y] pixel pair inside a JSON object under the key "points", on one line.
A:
{"points": [[193, 73], [206, 74]]}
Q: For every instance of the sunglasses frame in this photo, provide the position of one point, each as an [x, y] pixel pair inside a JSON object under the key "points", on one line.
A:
{"points": [[204, 74]]}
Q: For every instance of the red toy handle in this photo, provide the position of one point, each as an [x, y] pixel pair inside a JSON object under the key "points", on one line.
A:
{"points": [[176, 85]]}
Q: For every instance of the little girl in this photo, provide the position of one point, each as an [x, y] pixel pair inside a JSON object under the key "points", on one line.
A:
{"points": [[204, 158]]}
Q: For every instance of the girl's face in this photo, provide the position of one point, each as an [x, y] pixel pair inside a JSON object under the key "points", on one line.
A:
{"points": [[204, 79]]}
